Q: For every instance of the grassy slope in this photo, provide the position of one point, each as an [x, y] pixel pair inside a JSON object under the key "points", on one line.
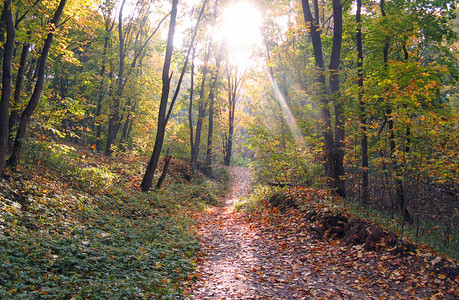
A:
{"points": [[74, 225]]}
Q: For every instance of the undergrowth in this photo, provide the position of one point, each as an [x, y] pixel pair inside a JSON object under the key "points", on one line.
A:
{"points": [[73, 225]]}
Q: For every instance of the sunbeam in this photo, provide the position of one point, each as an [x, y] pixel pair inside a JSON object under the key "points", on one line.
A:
{"points": [[291, 122]]}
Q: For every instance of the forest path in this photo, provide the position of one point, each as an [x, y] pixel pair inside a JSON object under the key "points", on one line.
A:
{"points": [[240, 261], [277, 255]]}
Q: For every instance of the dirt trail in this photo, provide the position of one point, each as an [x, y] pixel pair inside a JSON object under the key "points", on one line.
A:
{"points": [[239, 263], [279, 258], [227, 243]]}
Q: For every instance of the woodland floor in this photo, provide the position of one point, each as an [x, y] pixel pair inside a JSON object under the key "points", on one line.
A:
{"points": [[278, 255]]}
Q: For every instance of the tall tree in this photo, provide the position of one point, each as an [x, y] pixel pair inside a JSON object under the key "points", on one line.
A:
{"points": [[202, 108], [363, 118], [389, 119], [235, 81], [107, 9], [165, 112], [212, 95], [14, 115], [114, 118], [126, 36], [190, 105], [147, 180], [35, 98], [7, 19], [333, 142]]}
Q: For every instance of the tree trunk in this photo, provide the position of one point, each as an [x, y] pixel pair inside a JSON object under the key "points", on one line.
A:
{"points": [[314, 32], [201, 109], [363, 118], [190, 107], [14, 115], [210, 133], [7, 19], [162, 121], [124, 133], [233, 87], [197, 137], [338, 149], [35, 98], [114, 118], [399, 190], [102, 88], [333, 146], [213, 88], [2, 38], [229, 143], [167, 160], [164, 113]]}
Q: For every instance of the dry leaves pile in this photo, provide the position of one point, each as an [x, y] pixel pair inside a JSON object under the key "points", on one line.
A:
{"points": [[284, 253]]}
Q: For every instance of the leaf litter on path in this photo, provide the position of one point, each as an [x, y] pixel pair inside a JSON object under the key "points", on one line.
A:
{"points": [[276, 256]]}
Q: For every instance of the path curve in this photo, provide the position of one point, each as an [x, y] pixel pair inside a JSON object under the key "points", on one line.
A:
{"points": [[239, 263]]}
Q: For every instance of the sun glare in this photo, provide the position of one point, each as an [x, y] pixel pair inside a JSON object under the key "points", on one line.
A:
{"points": [[240, 27]]}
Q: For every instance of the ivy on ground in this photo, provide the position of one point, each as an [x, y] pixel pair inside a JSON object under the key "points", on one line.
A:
{"points": [[66, 233]]}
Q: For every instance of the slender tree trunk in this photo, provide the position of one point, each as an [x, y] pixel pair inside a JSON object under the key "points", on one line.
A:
{"points": [[114, 118], [128, 134], [124, 133], [314, 32], [190, 107], [333, 146], [234, 84], [98, 122], [202, 108], [167, 160], [102, 88], [162, 121], [7, 19], [164, 113], [229, 142], [31, 75], [399, 190], [35, 98], [363, 118], [14, 115], [210, 134], [338, 149], [213, 88]]}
